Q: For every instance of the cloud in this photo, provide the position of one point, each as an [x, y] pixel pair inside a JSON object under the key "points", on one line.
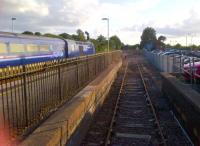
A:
{"points": [[23, 7], [189, 25], [127, 18], [68, 15], [46, 16]]}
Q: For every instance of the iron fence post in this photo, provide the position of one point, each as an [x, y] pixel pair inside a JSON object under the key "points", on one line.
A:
{"points": [[173, 65], [104, 60], [25, 95], [180, 65], [193, 70], [59, 80], [190, 71], [77, 65], [95, 62], [88, 69]]}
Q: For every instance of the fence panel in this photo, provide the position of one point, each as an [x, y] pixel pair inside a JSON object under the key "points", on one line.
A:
{"points": [[30, 93]]}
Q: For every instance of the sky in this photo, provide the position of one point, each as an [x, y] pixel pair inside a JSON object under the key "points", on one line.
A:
{"points": [[176, 19]]}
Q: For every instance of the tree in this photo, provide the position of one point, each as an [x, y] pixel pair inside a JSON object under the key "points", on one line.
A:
{"points": [[51, 35], [101, 44], [160, 42], [88, 35], [65, 35], [148, 38], [178, 45], [27, 33], [38, 33], [115, 42], [101, 39], [162, 38], [131, 46], [75, 37], [80, 35], [168, 46]]}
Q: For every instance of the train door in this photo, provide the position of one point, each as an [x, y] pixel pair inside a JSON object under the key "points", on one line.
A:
{"points": [[81, 50]]}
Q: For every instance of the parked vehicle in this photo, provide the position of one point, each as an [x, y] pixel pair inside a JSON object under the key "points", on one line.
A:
{"points": [[192, 71], [191, 59]]}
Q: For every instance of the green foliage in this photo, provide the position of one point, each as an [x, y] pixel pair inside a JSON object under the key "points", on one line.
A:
{"points": [[75, 37], [177, 45], [27, 33], [80, 35], [38, 33], [115, 43], [148, 36], [65, 36], [131, 46], [162, 38], [160, 42], [51, 35], [101, 44]]}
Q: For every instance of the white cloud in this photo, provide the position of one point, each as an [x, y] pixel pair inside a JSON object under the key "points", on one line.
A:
{"points": [[24, 6], [127, 19]]}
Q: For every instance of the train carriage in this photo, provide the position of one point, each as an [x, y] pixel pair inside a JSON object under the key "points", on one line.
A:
{"points": [[77, 48], [16, 49]]}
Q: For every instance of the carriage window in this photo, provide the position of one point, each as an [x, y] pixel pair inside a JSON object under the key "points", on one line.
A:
{"points": [[17, 48], [72, 47], [3, 48], [44, 48], [32, 48]]}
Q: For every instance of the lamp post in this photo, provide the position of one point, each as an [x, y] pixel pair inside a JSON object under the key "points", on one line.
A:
{"points": [[13, 19], [107, 19], [192, 36], [186, 40]]}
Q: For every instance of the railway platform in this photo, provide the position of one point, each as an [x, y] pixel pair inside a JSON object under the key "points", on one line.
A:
{"points": [[136, 113]]}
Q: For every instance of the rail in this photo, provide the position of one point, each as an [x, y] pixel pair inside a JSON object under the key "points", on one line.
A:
{"points": [[30, 93], [107, 140], [152, 107]]}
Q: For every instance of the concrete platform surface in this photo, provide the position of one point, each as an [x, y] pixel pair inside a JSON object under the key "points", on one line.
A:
{"points": [[186, 102]]}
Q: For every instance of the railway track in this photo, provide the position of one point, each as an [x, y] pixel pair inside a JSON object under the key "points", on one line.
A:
{"points": [[134, 120], [129, 116]]}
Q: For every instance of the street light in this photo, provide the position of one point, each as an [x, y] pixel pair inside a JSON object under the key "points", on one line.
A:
{"points": [[13, 19], [107, 19]]}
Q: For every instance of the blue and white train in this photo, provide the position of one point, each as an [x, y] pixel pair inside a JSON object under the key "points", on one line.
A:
{"points": [[17, 49]]}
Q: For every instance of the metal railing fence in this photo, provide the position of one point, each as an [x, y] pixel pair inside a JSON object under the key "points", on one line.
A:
{"points": [[179, 64], [29, 93]]}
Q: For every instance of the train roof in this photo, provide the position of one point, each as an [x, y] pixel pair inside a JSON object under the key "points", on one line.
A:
{"points": [[79, 42], [23, 36], [34, 37]]}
